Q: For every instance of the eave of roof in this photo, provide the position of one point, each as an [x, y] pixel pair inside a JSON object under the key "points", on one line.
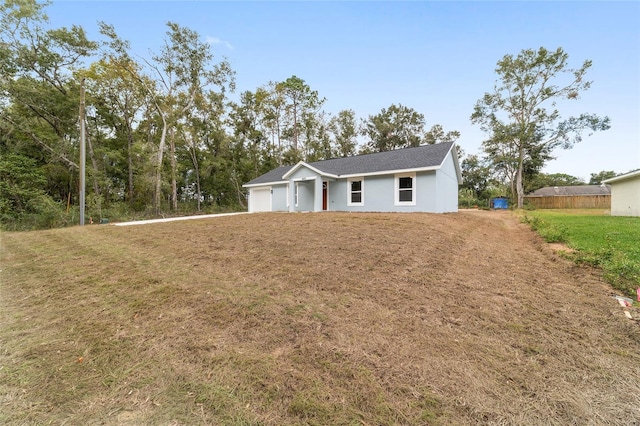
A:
{"points": [[302, 164], [253, 185], [626, 176]]}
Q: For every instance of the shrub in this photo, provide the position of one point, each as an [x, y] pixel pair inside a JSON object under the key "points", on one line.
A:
{"points": [[551, 233], [41, 212]]}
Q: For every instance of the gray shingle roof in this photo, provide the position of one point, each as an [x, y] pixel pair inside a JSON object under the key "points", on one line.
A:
{"points": [[274, 175], [553, 191], [399, 159]]}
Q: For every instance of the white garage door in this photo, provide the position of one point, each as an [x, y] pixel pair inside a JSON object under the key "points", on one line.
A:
{"points": [[260, 200]]}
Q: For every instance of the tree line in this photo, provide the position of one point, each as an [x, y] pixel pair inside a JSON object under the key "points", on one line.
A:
{"points": [[164, 136]]}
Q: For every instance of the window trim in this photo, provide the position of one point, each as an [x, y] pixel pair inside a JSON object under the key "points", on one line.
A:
{"points": [[414, 182], [350, 192]]}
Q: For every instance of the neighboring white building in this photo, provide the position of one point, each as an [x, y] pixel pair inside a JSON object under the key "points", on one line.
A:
{"points": [[420, 179], [625, 194]]}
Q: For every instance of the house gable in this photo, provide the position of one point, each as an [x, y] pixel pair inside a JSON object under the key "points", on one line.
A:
{"points": [[302, 170]]}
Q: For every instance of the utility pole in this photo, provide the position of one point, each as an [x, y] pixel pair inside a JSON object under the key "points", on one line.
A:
{"points": [[82, 152]]}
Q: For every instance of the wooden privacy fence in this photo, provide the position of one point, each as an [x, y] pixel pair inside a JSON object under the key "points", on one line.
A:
{"points": [[571, 202]]}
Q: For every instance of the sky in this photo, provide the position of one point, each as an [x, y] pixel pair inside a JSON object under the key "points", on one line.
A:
{"points": [[437, 57]]}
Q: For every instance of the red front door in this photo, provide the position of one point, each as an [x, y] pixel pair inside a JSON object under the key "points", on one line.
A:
{"points": [[325, 187]]}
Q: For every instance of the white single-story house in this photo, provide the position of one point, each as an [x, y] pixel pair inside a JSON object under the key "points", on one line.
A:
{"points": [[420, 179], [625, 194]]}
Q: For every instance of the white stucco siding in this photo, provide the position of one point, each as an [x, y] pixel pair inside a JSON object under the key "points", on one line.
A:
{"points": [[306, 192], [625, 197], [427, 192], [379, 193], [447, 187], [279, 198]]}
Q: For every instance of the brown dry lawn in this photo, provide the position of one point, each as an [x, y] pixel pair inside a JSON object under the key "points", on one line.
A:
{"points": [[295, 319]]}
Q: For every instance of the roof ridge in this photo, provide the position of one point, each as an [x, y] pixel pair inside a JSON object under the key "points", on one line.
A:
{"points": [[382, 152]]}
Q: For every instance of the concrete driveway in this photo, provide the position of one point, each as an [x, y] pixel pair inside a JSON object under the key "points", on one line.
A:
{"points": [[171, 219]]}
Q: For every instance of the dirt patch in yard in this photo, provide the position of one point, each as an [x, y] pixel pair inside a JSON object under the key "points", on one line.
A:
{"points": [[329, 318]]}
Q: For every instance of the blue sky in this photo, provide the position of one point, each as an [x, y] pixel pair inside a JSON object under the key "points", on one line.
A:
{"points": [[436, 57]]}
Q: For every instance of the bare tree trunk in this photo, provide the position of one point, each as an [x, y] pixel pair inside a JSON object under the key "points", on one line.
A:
{"points": [[295, 126], [194, 159], [174, 186], [254, 154], [239, 192], [279, 142], [158, 194], [519, 186], [197, 168], [94, 165], [198, 187], [129, 160]]}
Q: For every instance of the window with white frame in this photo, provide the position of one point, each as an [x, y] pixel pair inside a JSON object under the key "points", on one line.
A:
{"points": [[355, 193], [405, 194]]}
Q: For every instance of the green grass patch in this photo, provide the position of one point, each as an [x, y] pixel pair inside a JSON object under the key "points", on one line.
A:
{"points": [[606, 242]]}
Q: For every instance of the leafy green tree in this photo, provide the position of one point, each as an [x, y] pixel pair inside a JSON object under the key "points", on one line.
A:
{"points": [[395, 127], [521, 115], [255, 122], [247, 116], [597, 178], [23, 203], [206, 145], [38, 92], [542, 180], [183, 71], [21, 181], [503, 159], [301, 104], [437, 135], [119, 101], [275, 116], [476, 176], [317, 144], [344, 131]]}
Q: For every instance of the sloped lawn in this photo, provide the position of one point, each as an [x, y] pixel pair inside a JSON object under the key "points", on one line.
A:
{"points": [[309, 319]]}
